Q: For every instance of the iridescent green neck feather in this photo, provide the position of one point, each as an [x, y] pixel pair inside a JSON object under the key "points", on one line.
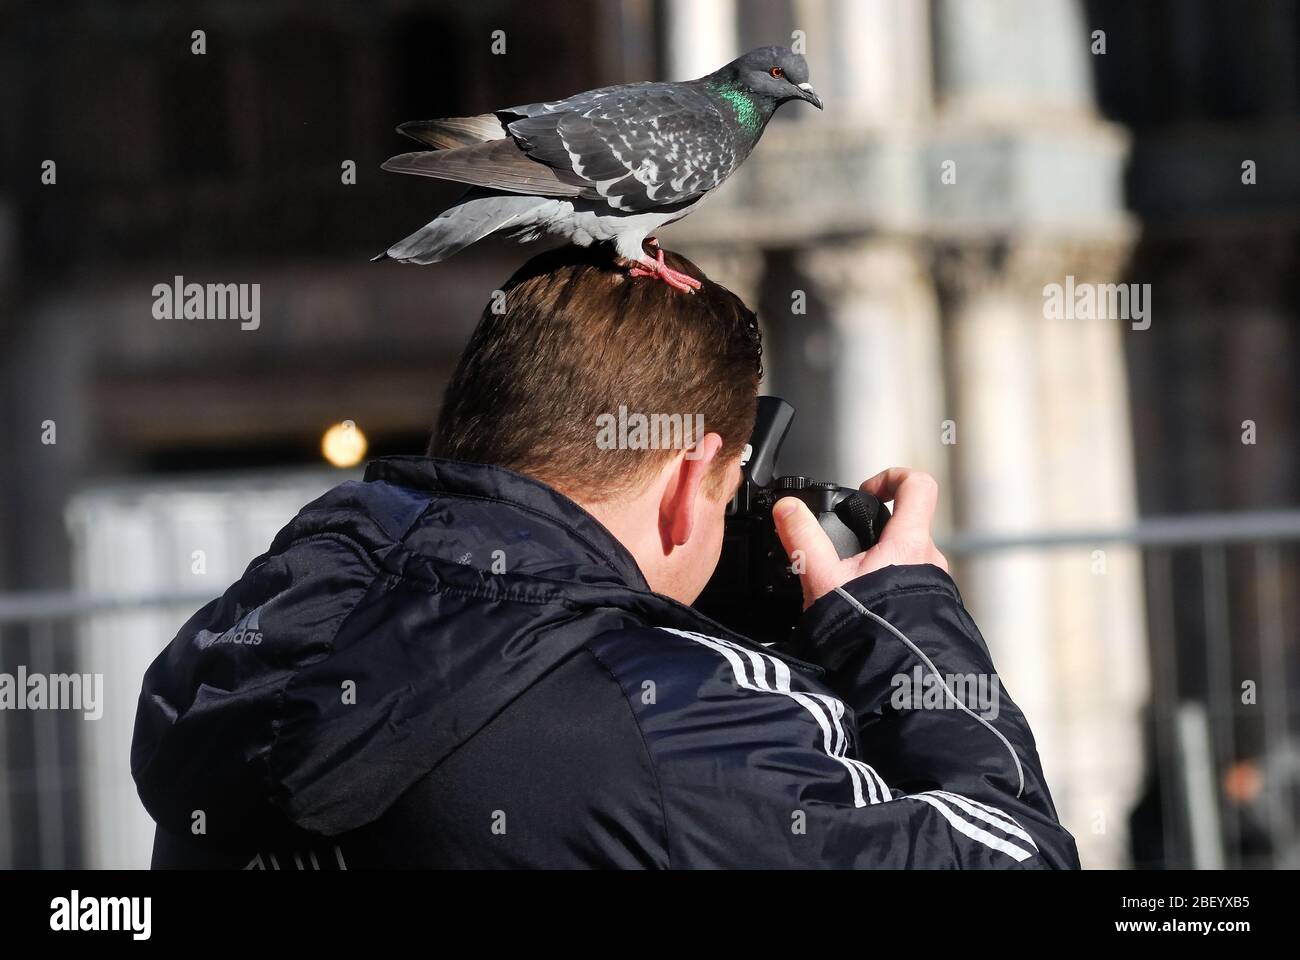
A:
{"points": [[748, 115]]}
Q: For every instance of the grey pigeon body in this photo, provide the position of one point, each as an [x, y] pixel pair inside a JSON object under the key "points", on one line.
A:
{"points": [[609, 165]]}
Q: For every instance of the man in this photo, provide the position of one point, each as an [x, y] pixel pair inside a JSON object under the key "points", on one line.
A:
{"points": [[487, 657]]}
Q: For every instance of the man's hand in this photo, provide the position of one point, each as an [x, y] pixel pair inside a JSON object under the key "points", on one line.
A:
{"points": [[906, 538]]}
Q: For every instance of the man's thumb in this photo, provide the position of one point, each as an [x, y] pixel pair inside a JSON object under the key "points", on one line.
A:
{"points": [[811, 553]]}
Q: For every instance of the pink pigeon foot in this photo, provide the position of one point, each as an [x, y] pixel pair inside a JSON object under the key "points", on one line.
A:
{"points": [[657, 268]]}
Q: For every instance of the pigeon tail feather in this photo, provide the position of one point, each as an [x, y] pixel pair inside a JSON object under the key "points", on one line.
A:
{"points": [[452, 132], [464, 223]]}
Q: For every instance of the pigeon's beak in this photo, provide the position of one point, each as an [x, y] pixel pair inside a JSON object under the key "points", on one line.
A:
{"points": [[806, 92]]}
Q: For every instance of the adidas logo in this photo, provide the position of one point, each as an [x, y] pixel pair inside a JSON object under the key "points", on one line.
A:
{"points": [[246, 632]]}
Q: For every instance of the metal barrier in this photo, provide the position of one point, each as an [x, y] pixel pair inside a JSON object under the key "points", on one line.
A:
{"points": [[1221, 802]]}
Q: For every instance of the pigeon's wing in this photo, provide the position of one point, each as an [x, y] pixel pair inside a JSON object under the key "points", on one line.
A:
{"points": [[575, 103], [640, 146], [497, 165]]}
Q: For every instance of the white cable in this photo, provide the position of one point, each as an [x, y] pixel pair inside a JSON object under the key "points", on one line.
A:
{"points": [[942, 682]]}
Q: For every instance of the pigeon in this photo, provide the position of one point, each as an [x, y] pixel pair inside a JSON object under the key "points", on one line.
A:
{"points": [[609, 165]]}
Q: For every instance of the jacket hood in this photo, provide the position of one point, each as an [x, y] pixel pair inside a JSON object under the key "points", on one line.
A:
{"points": [[387, 623]]}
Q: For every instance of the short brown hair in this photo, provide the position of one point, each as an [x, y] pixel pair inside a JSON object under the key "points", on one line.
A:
{"points": [[576, 337]]}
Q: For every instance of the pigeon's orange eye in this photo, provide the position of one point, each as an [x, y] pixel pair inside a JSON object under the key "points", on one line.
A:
{"points": [[777, 72]]}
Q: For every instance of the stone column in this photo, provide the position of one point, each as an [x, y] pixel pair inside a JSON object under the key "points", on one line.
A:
{"points": [[1043, 426], [872, 66], [1012, 57], [699, 36], [1044, 443], [881, 341]]}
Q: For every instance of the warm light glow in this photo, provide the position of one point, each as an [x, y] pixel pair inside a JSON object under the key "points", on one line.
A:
{"points": [[343, 444]]}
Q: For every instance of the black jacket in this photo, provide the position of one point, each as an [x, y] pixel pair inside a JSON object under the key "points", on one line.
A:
{"points": [[452, 665]]}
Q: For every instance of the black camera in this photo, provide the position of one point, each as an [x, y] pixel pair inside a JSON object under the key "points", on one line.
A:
{"points": [[753, 591]]}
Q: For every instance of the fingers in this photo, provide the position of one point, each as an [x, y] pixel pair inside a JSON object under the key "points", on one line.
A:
{"points": [[915, 495], [907, 536], [906, 539], [886, 484], [810, 550]]}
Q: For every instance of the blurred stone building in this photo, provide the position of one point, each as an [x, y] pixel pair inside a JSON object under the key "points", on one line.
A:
{"points": [[972, 152], [961, 167]]}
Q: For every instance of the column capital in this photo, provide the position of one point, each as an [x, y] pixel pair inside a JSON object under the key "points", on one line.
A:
{"points": [[864, 265], [1021, 266]]}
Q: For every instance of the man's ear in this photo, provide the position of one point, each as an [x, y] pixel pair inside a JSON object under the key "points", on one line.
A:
{"points": [[677, 508]]}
